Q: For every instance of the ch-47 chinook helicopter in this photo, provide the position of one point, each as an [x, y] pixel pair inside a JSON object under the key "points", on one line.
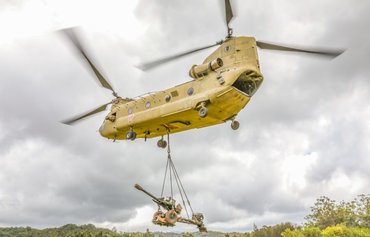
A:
{"points": [[221, 86]]}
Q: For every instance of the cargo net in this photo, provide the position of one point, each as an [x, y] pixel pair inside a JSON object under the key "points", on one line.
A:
{"points": [[169, 211]]}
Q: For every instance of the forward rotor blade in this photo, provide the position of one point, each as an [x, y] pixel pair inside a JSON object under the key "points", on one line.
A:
{"points": [[71, 34], [319, 51], [229, 12], [85, 115], [149, 65]]}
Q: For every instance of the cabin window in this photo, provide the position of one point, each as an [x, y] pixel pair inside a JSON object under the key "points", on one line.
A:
{"points": [[167, 98], [190, 91], [147, 104]]}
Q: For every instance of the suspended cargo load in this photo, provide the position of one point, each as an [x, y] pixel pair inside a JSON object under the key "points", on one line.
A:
{"points": [[169, 212], [172, 213]]}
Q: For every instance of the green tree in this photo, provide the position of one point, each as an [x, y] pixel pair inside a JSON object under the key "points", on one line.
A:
{"points": [[363, 210], [292, 233], [327, 212], [272, 231], [311, 231], [323, 213], [186, 234]]}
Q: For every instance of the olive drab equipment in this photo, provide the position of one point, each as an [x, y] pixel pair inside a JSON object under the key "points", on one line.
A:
{"points": [[172, 212]]}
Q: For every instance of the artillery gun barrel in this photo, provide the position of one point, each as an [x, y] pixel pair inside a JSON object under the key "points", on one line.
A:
{"points": [[165, 204], [138, 187]]}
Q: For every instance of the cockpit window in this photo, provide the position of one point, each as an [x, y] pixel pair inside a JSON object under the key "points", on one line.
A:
{"points": [[249, 87], [248, 82]]}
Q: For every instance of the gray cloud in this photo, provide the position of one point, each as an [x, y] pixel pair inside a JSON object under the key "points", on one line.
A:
{"points": [[304, 134]]}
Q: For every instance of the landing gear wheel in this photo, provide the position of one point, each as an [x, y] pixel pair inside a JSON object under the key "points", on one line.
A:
{"points": [[203, 111], [131, 135], [171, 217], [162, 143], [235, 125]]}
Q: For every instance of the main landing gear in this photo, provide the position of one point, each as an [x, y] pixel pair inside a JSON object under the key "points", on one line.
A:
{"points": [[235, 124], [131, 135], [162, 143], [203, 110]]}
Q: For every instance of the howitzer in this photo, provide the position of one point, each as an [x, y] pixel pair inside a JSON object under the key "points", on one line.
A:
{"points": [[172, 215]]}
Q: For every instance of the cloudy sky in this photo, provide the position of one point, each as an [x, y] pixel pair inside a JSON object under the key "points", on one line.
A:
{"points": [[305, 133]]}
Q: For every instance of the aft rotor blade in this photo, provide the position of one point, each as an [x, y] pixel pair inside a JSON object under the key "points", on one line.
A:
{"points": [[85, 115], [71, 34], [155, 63], [319, 51]]}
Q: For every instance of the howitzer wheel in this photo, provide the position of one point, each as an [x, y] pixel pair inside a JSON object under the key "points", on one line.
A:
{"points": [[156, 214], [157, 218], [171, 217]]}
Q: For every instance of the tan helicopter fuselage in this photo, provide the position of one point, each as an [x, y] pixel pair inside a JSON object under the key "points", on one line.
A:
{"points": [[223, 84]]}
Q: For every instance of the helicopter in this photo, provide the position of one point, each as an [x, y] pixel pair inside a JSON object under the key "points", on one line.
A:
{"points": [[220, 87]]}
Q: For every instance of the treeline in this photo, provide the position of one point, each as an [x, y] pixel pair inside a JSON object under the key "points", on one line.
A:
{"points": [[328, 218], [69, 230]]}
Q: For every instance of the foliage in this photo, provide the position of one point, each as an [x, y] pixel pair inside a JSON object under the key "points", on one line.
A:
{"points": [[271, 231], [343, 231], [311, 231], [187, 234], [307, 231], [69, 230], [327, 212], [331, 231], [292, 233]]}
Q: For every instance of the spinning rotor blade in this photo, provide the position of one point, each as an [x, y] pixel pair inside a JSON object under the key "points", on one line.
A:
{"points": [[149, 65], [155, 63], [229, 11], [319, 51], [87, 114], [229, 16], [70, 33]]}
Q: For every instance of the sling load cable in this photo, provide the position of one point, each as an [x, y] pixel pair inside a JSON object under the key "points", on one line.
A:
{"points": [[170, 167]]}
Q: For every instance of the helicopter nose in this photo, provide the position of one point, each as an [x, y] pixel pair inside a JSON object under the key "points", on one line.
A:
{"points": [[107, 130], [101, 130]]}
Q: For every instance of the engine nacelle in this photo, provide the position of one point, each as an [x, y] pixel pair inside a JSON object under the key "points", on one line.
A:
{"points": [[197, 71]]}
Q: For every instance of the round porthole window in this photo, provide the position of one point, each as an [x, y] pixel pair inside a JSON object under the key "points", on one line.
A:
{"points": [[190, 91], [147, 104], [167, 98]]}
